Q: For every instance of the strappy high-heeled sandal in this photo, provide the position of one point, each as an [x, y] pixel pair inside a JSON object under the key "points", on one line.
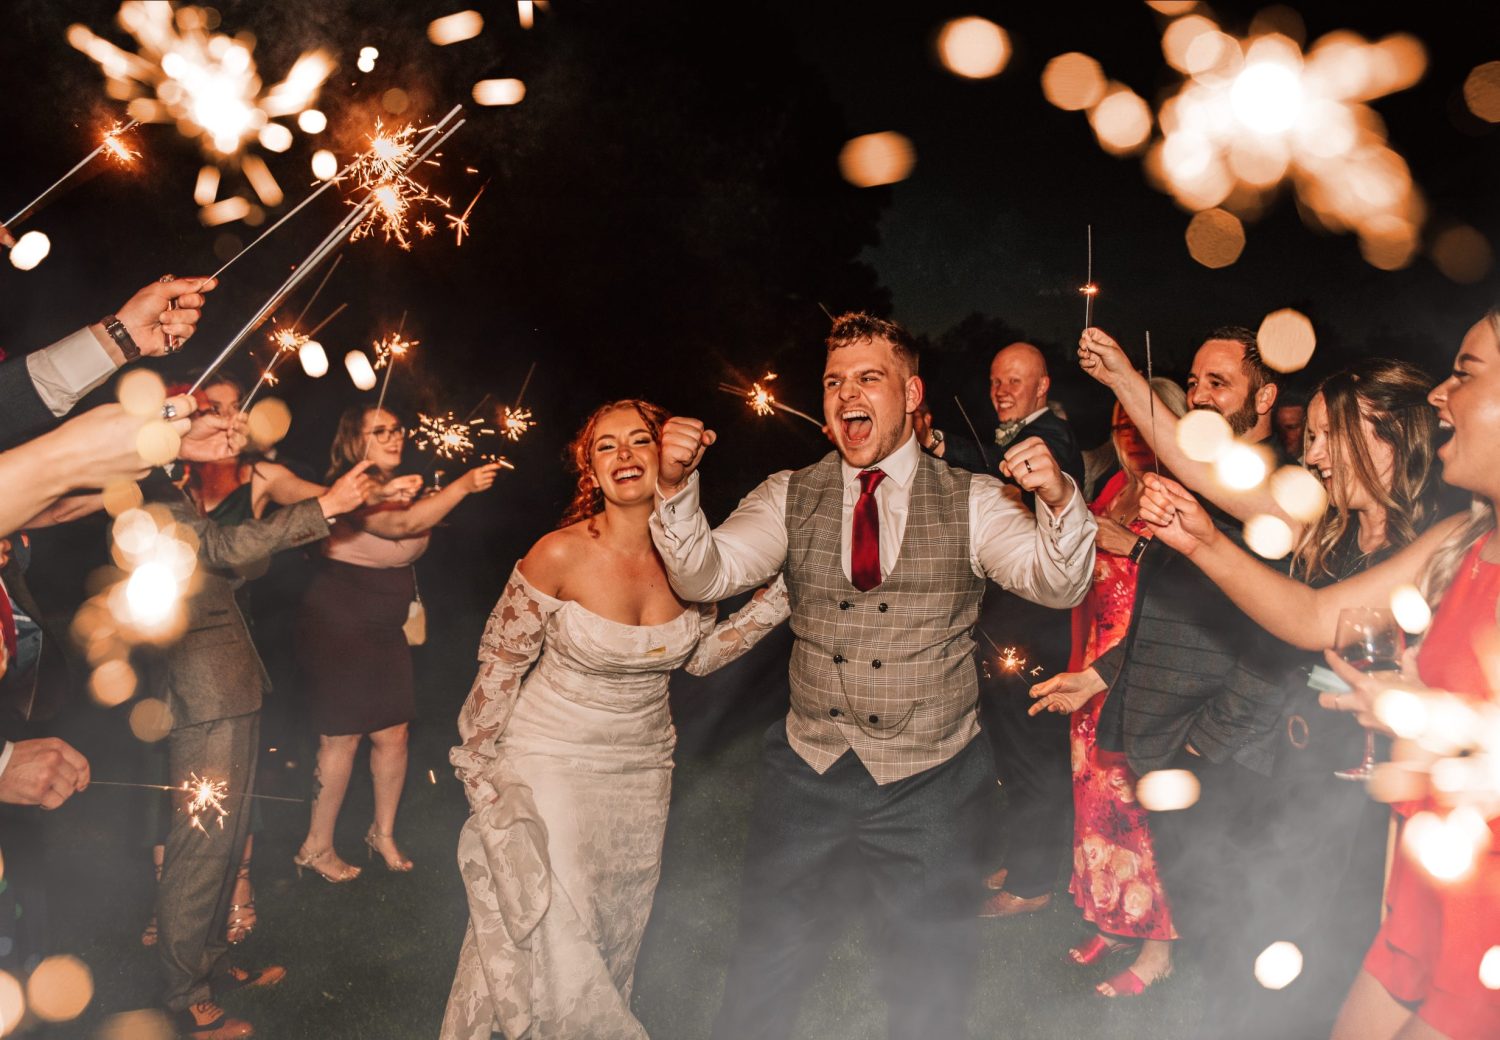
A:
{"points": [[242, 919], [305, 860], [400, 864]]}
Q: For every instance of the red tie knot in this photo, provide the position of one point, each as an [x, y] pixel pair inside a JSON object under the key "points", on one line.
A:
{"points": [[870, 479]]}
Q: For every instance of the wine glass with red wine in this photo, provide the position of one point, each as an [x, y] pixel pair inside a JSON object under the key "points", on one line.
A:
{"points": [[1371, 641]]}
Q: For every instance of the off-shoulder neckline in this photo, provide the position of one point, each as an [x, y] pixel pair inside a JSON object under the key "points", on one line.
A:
{"points": [[692, 608]]}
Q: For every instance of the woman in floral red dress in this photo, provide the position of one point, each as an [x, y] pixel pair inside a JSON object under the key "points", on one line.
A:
{"points": [[1115, 881]]}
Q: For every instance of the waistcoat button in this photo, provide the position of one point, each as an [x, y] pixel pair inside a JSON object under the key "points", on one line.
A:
{"points": [[843, 604], [833, 713], [838, 658], [875, 663], [874, 719], [884, 607]]}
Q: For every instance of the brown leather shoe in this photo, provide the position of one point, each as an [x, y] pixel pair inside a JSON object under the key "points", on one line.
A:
{"points": [[207, 1021], [1004, 904], [996, 881], [243, 978]]}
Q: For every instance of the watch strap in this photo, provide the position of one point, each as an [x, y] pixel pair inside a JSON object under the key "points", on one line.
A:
{"points": [[121, 335]]}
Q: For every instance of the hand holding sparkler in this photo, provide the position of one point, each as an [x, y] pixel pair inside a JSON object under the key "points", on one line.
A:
{"points": [[1176, 517], [1101, 357], [214, 438], [160, 316], [1066, 692], [45, 772], [398, 490], [480, 478], [683, 442], [348, 493]]}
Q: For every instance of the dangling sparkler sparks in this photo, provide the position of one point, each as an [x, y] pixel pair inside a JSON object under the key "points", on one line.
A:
{"points": [[449, 439], [763, 402], [110, 145], [342, 232], [383, 174], [514, 422], [205, 797]]}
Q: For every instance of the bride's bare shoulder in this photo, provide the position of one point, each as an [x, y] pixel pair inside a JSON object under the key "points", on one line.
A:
{"points": [[556, 556]]}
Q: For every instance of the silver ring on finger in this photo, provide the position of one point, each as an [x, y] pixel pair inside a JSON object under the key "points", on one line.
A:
{"points": [[169, 411], [1027, 464]]}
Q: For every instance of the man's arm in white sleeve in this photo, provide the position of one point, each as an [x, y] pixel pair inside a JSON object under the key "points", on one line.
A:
{"points": [[748, 549], [67, 370], [1046, 557]]}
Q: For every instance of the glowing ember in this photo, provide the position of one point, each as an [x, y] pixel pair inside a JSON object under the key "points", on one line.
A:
{"points": [[206, 797], [514, 422], [117, 149], [763, 402], [1010, 660], [380, 175], [448, 438], [391, 348], [461, 224]]}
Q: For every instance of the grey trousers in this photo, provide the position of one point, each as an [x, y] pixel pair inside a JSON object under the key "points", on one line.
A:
{"points": [[197, 875], [908, 851]]}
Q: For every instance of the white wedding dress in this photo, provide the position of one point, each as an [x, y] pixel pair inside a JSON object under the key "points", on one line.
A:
{"points": [[567, 762]]}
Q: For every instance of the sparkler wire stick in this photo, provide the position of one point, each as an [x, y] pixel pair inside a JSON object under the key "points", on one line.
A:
{"points": [[277, 359], [984, 455], [1151, 391], [36, 203], [184, 787], [335, 239], [1089, 290], [320, 326], [739, 391], [314, 297], [524, 384], [335, 179]]}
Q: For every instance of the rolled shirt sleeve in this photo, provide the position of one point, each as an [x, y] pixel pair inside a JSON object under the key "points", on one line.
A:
{"points": [[1045, 557], [707, 564], [67, 370]]}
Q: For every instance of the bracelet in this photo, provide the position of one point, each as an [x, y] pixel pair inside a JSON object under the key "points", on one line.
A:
{"points": [[121, 335], [1139, 549]]}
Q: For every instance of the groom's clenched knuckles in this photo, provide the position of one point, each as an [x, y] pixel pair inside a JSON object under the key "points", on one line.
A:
{"points": [[1032, 466], [683, 441]]}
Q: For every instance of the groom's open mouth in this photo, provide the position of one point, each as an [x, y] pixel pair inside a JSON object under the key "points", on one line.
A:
{"points": [[857, 426]]}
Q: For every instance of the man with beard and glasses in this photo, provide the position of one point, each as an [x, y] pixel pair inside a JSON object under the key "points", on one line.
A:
{"points": [[875, 771]]}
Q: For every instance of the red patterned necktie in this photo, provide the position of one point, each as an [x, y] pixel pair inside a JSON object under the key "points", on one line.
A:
{"points": [[8, 625], [864, 547]]}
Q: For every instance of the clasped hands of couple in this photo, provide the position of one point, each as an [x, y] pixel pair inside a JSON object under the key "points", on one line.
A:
{"points": [[1179, 520]]}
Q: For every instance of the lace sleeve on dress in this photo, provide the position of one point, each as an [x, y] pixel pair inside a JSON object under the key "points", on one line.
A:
{"points": [[511, 643], [744, 628]]}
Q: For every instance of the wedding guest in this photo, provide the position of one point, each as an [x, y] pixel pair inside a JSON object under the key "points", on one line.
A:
{"points": [[1116, 883], [352, 645], [567, 752], [886, 553], [1421, 976]]}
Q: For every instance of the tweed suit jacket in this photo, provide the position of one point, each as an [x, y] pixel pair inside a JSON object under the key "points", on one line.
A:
{"points": [[887, 672], [1191, 669], [213, 671]]}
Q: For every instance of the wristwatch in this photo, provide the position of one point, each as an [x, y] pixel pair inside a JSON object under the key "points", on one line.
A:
{"points": [[121, 335], [936, 436], [1139, 549]]}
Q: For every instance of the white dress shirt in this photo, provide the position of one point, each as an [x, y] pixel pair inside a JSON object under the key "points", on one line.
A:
{"points": [[67, 370], [1045, 557]]}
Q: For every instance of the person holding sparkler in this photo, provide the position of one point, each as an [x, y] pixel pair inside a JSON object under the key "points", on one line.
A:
{"points": [[46, 384], [886, 553], [1422, 975], [567, 752], [351, 643], [215, 681], [1115, 880]]}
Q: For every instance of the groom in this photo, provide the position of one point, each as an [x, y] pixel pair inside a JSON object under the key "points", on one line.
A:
{"points": [[886, 553]]}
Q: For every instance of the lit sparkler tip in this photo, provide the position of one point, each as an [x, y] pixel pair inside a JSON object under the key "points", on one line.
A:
{"points": [[1089, 290], [514, 422], [206, 796], [117, 149]]}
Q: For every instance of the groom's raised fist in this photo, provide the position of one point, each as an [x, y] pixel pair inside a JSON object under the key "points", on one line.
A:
{"points": [[683, 441]]}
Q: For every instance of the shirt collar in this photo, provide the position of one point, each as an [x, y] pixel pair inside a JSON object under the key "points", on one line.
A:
{"points": [[899, 466]]}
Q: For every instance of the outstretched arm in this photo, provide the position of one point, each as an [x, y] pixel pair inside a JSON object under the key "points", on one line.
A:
{"points": [[393, 521], [511, 643], [747, 626], [1101, 357], [1291, 611]]}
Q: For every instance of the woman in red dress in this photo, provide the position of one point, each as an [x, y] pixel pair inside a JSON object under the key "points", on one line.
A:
{"points": [[1426, 972], [1115, 881]]}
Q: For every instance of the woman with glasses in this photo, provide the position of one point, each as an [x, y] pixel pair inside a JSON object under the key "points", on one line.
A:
{"points": [[351, 644]]}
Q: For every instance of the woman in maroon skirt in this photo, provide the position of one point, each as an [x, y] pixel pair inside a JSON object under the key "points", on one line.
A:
{"points": [[351, 643]]}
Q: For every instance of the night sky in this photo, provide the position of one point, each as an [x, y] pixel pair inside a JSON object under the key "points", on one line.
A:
{"points": [[664, 210]]}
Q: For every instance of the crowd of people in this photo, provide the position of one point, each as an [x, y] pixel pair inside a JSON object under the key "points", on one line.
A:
{"points": [[951, 778]]}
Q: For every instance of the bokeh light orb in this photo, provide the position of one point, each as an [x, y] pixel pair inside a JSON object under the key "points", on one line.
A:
{"points": [[1215, 238], [1203, 435], [1073, 82], [1240, 467], [1298, 493], [1463, 254], [1122, 122], [324, 164], [1286, 339], [30, 249], [875, 159], [59, 989], [973, 47], [1267, 97], [1167, 790], [1482, 91], [1489, 964], [1268, 536], [1278, 965], [141, 392], [357, 364], [1410, 609], [499, 92]]}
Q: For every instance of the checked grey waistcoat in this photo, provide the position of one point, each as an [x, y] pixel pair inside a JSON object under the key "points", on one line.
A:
{"points": [[886, 672]]}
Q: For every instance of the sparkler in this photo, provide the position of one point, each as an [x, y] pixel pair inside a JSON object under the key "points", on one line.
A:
{"points": [[387, 350], [461, 224], [206, 83], [1155, 458], [111, 145], [1089, 289], [763, 402], [342, 231], [1011, 660], [448, 438], [205, 797], [515, 420], [383, 174]]}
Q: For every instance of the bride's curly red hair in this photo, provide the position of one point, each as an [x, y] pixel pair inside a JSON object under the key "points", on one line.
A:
{"points": [[588, 500]]}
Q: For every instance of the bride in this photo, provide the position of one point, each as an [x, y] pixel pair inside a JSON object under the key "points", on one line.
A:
{"points": [[567, 752]]}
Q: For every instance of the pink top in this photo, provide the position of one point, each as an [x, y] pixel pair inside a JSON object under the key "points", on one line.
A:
{"points": [[350, 544]]}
